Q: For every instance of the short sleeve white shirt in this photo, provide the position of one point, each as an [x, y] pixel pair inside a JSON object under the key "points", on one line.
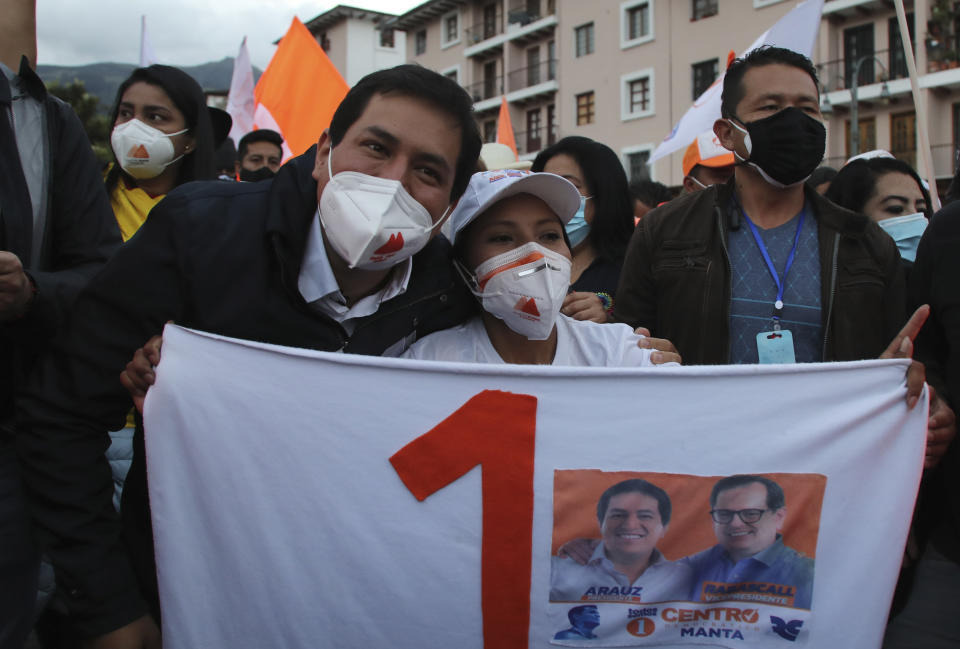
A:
{"points": [[579, 343]]}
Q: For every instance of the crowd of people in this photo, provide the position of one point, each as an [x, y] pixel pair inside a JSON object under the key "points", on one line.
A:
{"points": [[763, 258]]}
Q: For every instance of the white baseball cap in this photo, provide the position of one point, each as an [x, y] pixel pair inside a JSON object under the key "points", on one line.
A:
{"points": [[488, 187]]}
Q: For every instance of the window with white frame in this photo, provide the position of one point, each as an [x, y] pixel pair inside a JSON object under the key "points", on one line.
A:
{"points": [[635, 161], [450, 26], [636, 91], [420, 42], [387, 38], [490, 130], [585, 108], [704, 74], [583, 35], [452, 73], [636, 22], [704, 9]]}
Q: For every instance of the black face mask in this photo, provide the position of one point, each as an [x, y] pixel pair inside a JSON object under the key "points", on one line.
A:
{"points": [[785, 147], [263, 173]]}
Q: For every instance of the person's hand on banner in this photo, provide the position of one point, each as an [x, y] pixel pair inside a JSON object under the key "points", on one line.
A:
{"points": [[665, 351], [139, 375], [902, 347], [941, 426], [581, 305], [941, 429], [142, 633], [580, 550]]}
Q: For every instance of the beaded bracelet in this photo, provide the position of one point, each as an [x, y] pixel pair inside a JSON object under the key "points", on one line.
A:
{"points": [[607, 300]]}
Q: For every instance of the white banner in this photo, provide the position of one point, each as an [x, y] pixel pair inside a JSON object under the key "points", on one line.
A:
{"points": [[304, 499]]}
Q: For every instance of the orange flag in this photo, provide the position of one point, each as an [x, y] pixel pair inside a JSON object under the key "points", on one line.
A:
{"points": [[299, 91], [505, 128]]}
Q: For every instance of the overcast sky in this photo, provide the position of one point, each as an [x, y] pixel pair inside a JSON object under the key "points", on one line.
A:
{"points": [[183, 32]]}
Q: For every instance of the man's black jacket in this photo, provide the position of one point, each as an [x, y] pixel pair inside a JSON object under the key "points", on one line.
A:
{"points": [[220, 257], [76, 237]]}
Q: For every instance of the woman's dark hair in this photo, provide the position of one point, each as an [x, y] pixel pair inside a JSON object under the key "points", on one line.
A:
{"points": [[187, 95], [953, 191], [820, 175], [856, 182], [607, 182]]}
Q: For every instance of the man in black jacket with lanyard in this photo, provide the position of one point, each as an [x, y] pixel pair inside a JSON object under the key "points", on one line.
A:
{"points": [[336, 253], [762, 269]]}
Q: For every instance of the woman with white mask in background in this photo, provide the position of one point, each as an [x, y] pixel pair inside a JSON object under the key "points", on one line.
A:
{"points": [[889, 192], [512, 251], [162, 137]]}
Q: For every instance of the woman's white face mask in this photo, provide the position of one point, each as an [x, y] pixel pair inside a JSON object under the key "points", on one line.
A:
{"points": [[525, 287], [142, 150]]}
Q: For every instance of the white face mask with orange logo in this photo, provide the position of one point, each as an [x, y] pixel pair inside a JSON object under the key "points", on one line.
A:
{"points": [[372, 223], [142, 150], [524, 287]]}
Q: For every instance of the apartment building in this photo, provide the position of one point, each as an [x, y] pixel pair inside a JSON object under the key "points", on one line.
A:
{"points": [[861, 55], [624, 71], [357, 42]]}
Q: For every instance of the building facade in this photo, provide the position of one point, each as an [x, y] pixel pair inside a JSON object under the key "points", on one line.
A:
{"points": [[861, 54], [357, 42], [624, 71]]}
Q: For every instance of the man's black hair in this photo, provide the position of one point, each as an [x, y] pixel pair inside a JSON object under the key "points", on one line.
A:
{"points": [[640, 486], [775, 497], [650, 192], [607, 182], [733, 90], [418, 82], [260, 135]]}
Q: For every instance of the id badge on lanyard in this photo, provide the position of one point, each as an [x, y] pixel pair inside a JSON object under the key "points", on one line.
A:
{"points": [[776, 346]]}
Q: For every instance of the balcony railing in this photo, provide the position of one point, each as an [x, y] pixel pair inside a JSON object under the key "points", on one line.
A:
{"points": [[834, 75], [489, 87], [484, 30], [523, 16], [532, 75], [941, 56], [943, 36], [536, 140]]}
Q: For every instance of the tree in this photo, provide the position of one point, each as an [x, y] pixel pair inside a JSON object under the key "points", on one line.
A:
{"points": [[85, 106]]}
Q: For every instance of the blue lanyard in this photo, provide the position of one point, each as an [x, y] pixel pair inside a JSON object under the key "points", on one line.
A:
{"points": [[778, 305]]}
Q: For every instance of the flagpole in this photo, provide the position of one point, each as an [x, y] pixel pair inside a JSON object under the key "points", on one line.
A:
{"points": [[925, 155]]}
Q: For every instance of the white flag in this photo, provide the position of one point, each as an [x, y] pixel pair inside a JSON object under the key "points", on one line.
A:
{"points": [[240, 102], [147, 55], [796, 31], [310, 499]]}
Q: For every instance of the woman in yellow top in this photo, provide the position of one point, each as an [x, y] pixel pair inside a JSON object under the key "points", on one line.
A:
{"points": [[162, 137]]}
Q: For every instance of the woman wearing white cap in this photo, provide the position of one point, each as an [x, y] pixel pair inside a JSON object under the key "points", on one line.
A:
{"points": [[512, 251]]}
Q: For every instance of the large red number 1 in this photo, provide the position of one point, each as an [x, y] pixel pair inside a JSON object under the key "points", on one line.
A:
{"points": [[496, 430]]}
